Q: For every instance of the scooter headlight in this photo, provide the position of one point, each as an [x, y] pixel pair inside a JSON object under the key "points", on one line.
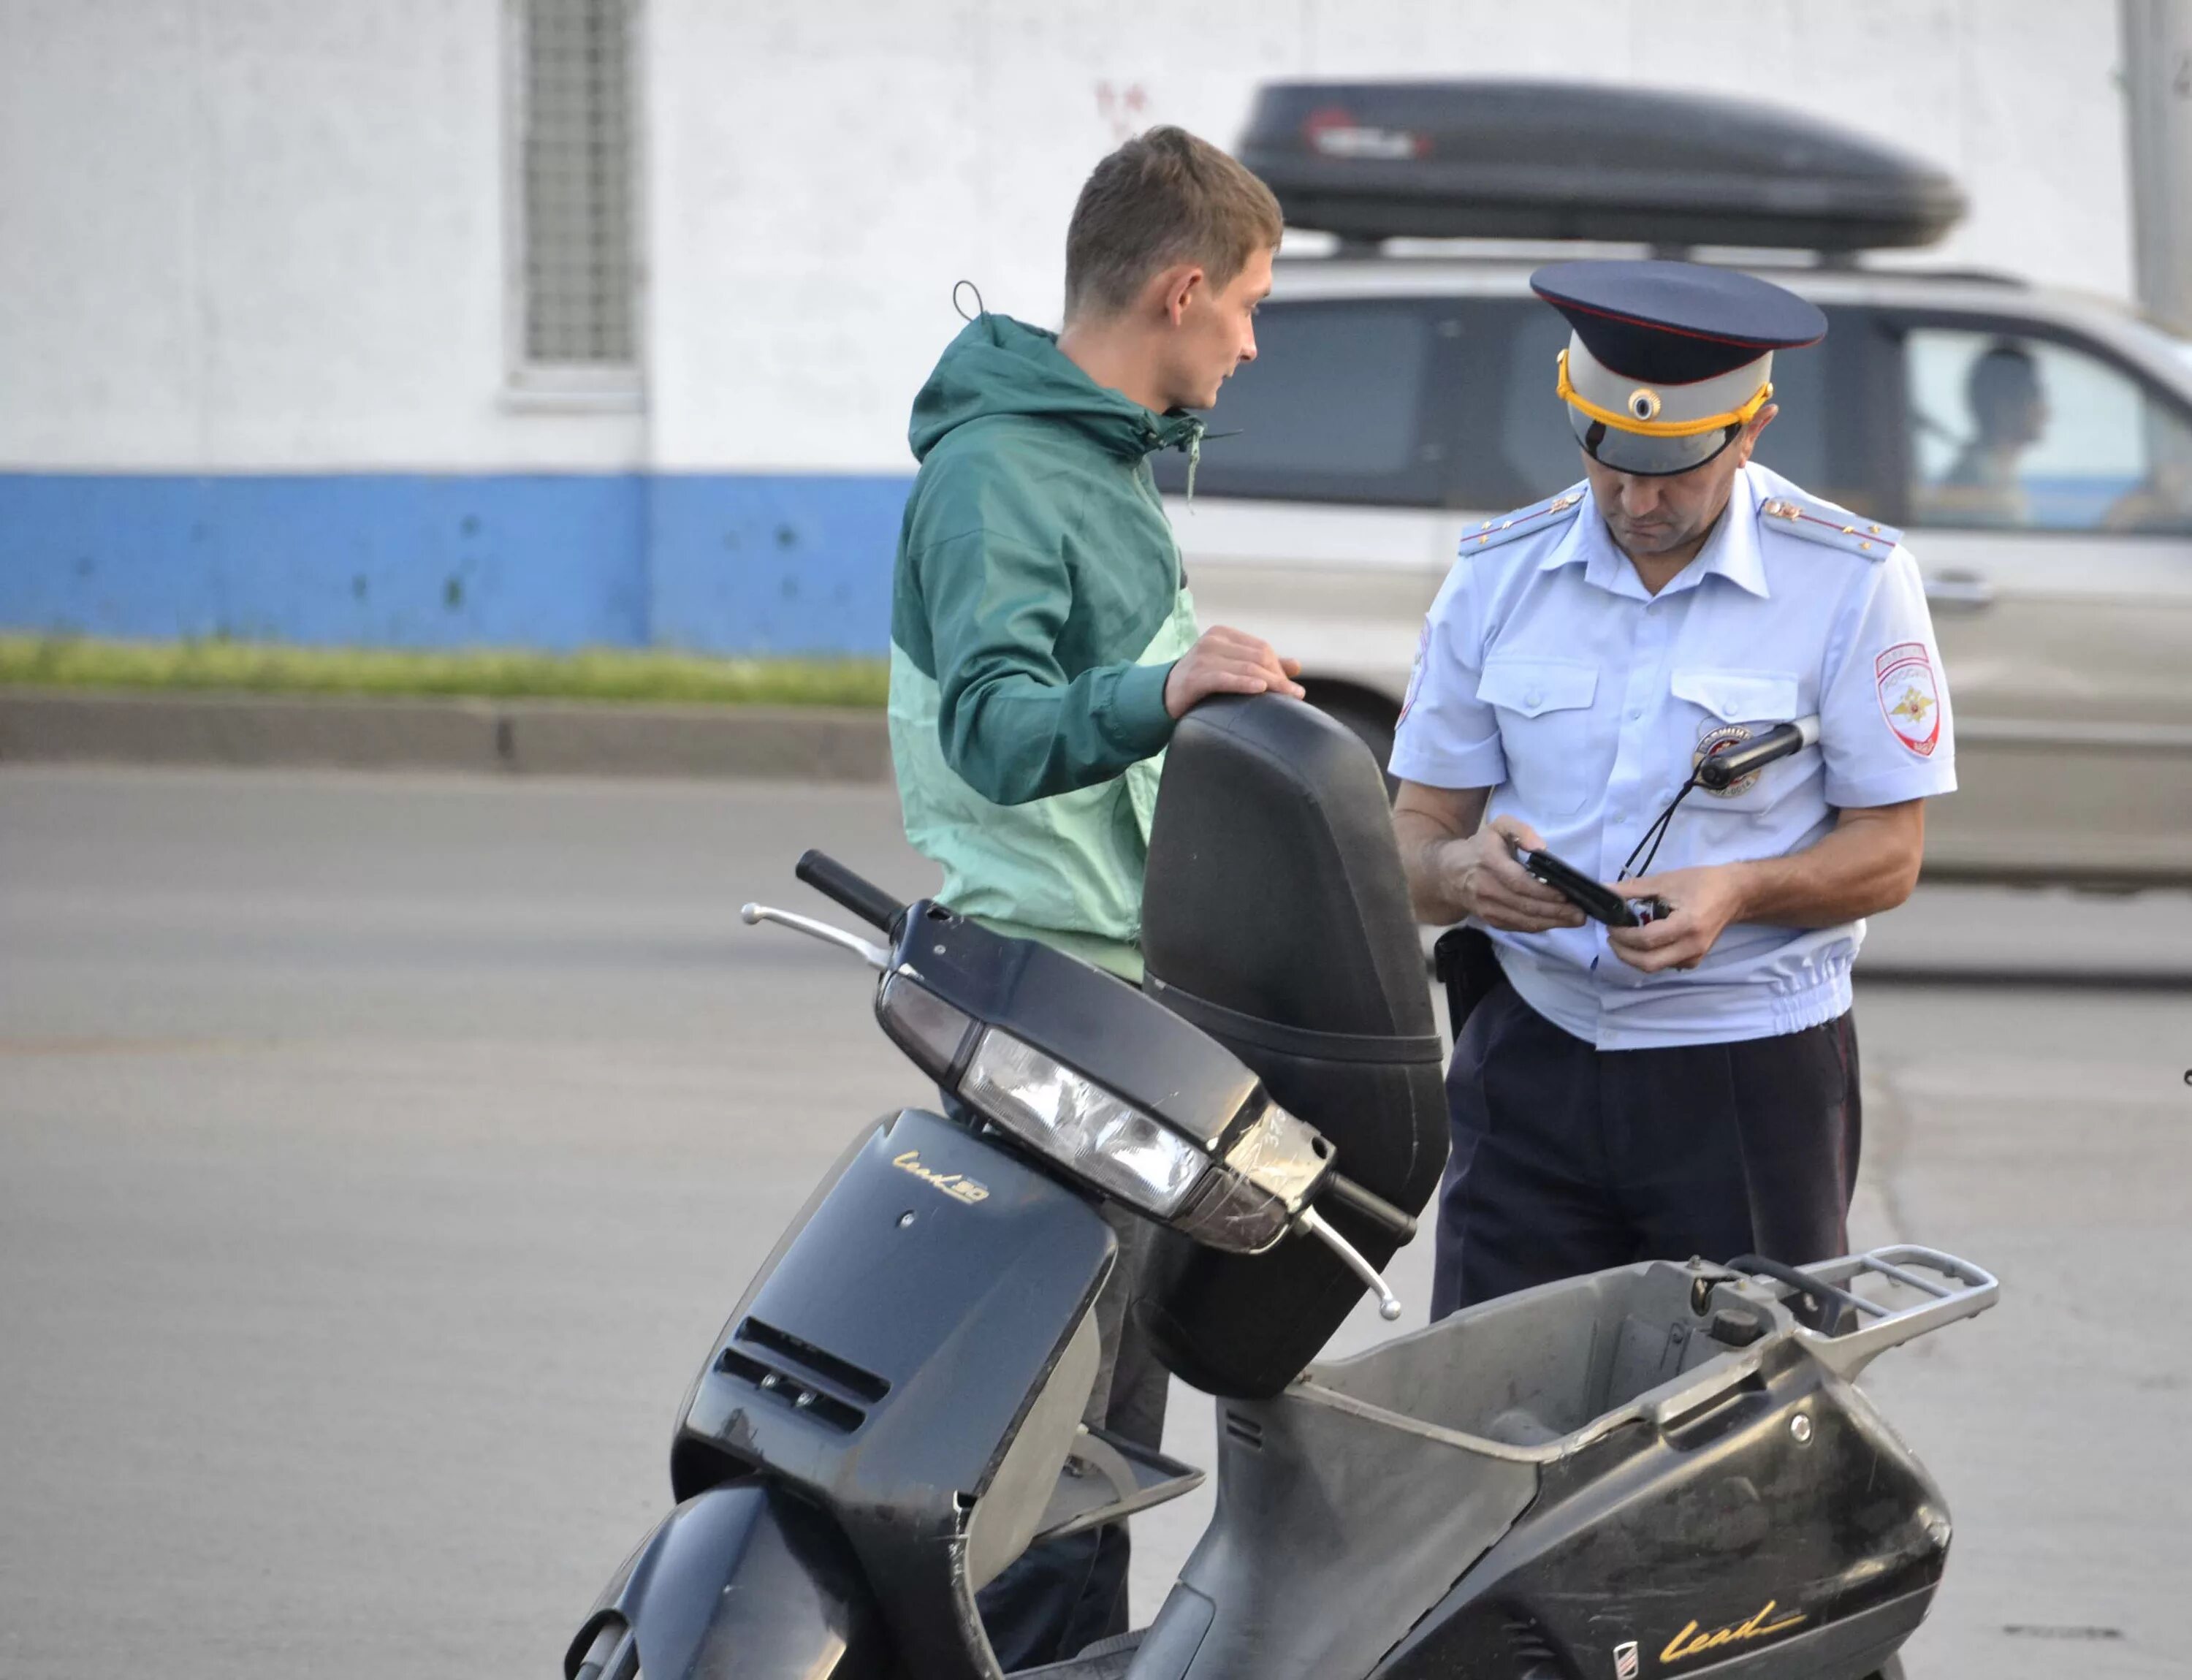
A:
{"points": [[1080, 1125]]}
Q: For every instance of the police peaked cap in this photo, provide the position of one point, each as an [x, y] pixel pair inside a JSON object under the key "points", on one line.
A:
{"points": [[1667, 361]]}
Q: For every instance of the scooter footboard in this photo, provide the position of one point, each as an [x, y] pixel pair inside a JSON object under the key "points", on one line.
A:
{"points": [[741, 1580]]}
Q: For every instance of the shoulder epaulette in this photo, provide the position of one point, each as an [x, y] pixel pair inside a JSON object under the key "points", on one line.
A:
{"points": [[1526, 521], [1823, 522]]}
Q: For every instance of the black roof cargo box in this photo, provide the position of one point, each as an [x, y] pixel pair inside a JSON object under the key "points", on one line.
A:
{"points": [[1548, 160]]}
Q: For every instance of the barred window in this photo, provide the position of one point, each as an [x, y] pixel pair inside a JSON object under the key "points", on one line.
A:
{"points": [[576, 267]]}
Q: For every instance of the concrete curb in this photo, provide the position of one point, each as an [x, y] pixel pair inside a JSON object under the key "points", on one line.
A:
{"points": [[519, 737]]}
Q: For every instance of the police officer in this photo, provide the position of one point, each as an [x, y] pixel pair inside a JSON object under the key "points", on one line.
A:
{"points": [[1688, 1086]]}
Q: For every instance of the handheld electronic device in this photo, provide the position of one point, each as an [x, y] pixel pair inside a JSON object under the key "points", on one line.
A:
{"points": [[1600, 903]]}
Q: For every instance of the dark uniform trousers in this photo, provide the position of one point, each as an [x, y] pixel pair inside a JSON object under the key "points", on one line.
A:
{"points": [[1569, 1159]]}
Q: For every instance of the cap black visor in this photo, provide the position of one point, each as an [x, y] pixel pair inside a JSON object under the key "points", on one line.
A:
{"points": [[1646, 457]]}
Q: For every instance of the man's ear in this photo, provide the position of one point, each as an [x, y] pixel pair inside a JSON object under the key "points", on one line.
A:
{"points": [[1751, 433], [1177, 287]]}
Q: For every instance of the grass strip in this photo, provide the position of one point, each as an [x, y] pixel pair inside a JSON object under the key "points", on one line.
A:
{"points": [[592, 674]]}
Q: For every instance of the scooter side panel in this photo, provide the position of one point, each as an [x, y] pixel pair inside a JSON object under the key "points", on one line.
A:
{"points": [[1703, 1546], [1333, 1534], [918, 1305], [744, 1581], [885, 1361]]}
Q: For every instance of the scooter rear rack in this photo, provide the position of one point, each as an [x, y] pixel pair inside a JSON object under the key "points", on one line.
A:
{"points": [[1957, 1290]]}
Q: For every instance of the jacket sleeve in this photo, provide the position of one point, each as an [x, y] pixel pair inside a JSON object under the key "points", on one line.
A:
{"points": [[1012, 725]]}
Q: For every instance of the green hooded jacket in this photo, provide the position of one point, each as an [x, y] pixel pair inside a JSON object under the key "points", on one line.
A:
{"points": [[1038, 606]]}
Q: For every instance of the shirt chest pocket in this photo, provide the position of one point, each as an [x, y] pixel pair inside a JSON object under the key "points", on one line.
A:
{"points": [[1735, 706], [1544, 708]]}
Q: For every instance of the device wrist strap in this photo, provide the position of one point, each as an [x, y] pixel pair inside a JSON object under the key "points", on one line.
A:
{"points": [[1655, 834]]}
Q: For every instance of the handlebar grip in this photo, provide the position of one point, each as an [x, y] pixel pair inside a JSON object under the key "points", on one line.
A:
{"points": [[865, 899], [1351, 1196]]}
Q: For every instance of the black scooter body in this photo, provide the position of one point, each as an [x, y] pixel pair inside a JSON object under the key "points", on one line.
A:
{"points": [[744, 1580], [1657, 1471], [880, 1371], [1802, 1558], [1580, 1482]]}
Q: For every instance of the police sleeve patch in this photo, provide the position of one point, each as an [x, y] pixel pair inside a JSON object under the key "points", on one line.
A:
{"points": [[1909, 698], [1525, 521], [1823, 522]]}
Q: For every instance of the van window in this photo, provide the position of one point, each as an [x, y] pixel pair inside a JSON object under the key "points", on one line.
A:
{"points": [[1334, 407], [2014, 431], [1447, 401]]}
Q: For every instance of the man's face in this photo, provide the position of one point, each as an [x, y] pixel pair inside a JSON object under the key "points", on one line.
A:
{"points": [[1215, 332], [1654, 517]]}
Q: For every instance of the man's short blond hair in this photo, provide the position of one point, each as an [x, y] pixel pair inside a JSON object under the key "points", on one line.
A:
{"points": [[1164, 197]]}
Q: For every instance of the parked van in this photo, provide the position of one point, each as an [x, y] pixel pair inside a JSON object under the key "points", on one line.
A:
{"points": [[2035, 446]]}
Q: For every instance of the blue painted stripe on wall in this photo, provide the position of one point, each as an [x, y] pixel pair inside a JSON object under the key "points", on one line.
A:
{"points": [[728, 562], [778, 565]]}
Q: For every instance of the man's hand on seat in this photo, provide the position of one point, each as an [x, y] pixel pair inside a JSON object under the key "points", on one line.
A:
{"points": [[1227, 661]]}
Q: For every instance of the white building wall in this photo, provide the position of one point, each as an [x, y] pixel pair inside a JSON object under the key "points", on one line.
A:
{"points": [[268, 234], [242, 234]]}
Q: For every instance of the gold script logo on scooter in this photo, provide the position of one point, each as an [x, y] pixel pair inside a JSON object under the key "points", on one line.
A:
{"points": [[1689, 1643], [957, 1186]]}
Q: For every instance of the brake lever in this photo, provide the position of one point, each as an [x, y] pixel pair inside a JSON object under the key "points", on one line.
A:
{"points": [[875, 956], [1309, 1221]]}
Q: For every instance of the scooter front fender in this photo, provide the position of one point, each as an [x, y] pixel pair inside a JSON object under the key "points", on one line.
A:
{"points": [[741, 1582]]}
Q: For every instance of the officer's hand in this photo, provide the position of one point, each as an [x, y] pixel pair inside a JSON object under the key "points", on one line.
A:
{"points": [[1226, 661], [1481, 873], [1706, 900]]}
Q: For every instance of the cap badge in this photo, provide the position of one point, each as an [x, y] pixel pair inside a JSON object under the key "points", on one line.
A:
{"points": [[1644, 402]]}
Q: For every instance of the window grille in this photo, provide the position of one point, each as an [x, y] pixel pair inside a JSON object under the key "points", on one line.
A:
{"points": [[575, 161]]}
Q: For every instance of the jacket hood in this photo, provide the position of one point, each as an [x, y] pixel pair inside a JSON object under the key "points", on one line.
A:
{"points": [[1000, 365]]}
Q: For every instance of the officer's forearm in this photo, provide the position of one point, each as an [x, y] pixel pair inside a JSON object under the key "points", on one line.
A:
{"points": [[1421, 839], [1868, 864], [1425, 821]]}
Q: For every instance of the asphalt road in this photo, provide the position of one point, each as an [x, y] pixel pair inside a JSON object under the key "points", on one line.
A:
{"points": [[378, 1154]]}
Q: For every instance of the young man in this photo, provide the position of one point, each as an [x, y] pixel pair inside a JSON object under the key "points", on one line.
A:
{"points": [[1688, 1087], [1043, 639], [1043, 645]]}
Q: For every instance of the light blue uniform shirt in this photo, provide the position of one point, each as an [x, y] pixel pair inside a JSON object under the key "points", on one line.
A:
{"points": [[1548, 675]]}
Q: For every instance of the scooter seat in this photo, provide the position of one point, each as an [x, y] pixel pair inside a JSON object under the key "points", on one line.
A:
{"points": [[1276, 917]]}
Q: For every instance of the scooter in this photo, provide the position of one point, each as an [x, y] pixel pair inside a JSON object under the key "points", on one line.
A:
{"points": [[1661, 1469]]}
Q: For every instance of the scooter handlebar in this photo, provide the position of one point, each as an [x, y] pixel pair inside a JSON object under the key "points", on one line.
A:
{"points": [[1345, 1192], [865, 899]]}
